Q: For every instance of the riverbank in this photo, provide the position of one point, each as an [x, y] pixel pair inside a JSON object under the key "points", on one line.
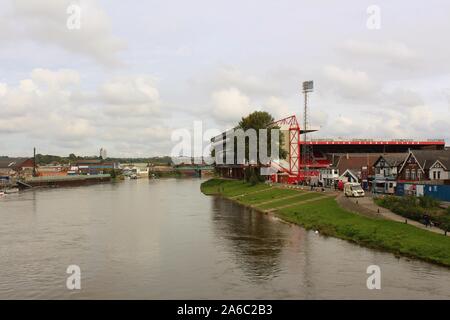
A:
{"points": [[320, 211]]}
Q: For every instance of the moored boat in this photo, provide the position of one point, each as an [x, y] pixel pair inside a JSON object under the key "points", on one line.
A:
{"points": [[11, 190]]}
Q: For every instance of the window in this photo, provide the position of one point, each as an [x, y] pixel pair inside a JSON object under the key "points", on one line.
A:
{"points": [[439, 175], [407, 174], [434, 175], [413, 174]]}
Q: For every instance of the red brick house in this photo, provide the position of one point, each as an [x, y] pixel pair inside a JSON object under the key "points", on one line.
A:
{"points": [[419, 162]]}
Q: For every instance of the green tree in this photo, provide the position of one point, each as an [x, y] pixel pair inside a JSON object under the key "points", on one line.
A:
{"points": [[259, 120]]}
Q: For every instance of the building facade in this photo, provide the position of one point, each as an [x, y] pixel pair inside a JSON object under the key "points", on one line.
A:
{"points": [[386, 169], [11, 167]]}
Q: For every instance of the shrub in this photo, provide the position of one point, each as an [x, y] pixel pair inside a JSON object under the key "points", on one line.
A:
{"points": [[444, 221], [406, 206], [428, 202]]}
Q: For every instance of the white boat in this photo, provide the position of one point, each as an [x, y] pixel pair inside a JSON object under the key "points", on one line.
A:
{"points": [[2, 193], [12, 190]]}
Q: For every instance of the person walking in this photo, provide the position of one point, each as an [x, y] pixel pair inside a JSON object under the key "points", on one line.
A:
{"points": [[426, 217]]}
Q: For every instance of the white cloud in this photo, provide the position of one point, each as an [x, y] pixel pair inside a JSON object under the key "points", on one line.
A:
{"points": [[130, 90], [55, 79], [230, 105], [3, 89], [47, 107], [277, 107], [131, 96], [402, 98], [383, 82], [349, 83], [45, 21], [391, 52]]}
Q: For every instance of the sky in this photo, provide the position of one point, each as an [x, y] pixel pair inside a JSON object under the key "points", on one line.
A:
{"points": [[135, 72]]}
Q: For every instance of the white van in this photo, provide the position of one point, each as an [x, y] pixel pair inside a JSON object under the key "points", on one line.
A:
{"points": [[353, 189]]}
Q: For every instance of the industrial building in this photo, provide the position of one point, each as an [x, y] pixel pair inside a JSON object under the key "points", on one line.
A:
{"points": [[94, 166]]}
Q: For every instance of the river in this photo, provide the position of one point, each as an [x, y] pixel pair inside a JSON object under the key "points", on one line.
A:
{"points": [[164, 239]]}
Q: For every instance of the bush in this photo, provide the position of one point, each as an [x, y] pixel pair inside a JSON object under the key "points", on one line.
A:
{"points": [[428, 202], [407, 206], [443, 222], [414, 208]]}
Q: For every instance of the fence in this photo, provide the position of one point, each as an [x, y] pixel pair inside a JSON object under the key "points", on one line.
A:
{"points": [[440, 192]]}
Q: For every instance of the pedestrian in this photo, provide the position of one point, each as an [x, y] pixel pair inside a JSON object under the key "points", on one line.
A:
{"points": [[426, 217]]}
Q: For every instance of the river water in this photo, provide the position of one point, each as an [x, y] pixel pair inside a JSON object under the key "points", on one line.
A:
{"points": [[161, 239]]}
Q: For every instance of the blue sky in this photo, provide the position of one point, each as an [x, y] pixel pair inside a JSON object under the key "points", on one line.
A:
{"points": [[136, 71]]}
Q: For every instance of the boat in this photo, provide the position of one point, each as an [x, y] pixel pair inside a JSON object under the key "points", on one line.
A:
{"points": [[2, 193], [11, 190]]}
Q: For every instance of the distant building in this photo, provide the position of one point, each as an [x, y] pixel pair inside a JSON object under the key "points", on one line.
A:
{"points": [[386, 169], [103, 153], [139, 169], [328, 176], [94, 166], [52, 170], [424, 165], [440, 169], [355, 167], [16, 166]]}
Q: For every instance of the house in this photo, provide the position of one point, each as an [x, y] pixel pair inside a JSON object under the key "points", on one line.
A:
{"points": [[328, 176], [356, 167], [350, 176], [386, 169], [425, 165], [16, 166], [440, 169]]}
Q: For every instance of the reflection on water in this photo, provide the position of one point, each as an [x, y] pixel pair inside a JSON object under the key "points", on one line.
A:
{"points": [[156, 239], [255, 245]]}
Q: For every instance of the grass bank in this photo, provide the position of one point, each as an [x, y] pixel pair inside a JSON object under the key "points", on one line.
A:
{"points": [[314, 211]]}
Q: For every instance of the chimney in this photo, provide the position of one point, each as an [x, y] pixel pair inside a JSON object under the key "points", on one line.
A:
{"points": [[34, 162]]}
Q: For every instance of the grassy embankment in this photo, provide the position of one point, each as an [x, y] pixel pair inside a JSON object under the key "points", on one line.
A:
{"points": [[314, 211]]}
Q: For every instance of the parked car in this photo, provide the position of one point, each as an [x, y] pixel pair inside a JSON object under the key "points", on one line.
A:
{"points": [[353, 189]]}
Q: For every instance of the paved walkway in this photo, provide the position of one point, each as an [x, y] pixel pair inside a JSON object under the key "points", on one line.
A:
{"points": [[367, 206]]}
